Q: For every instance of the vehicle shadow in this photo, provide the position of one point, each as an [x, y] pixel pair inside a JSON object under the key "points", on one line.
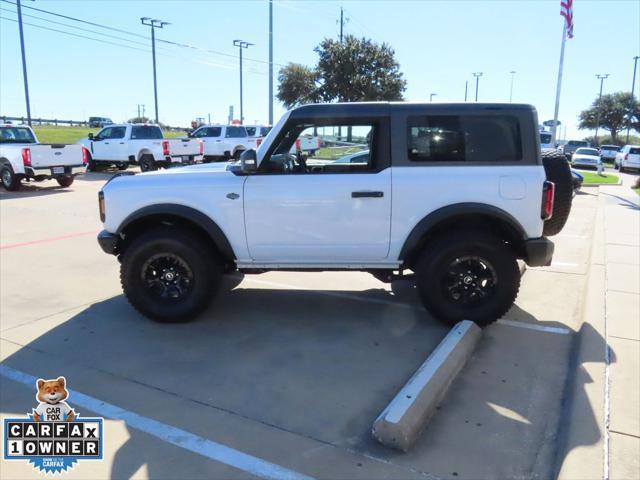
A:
{"points": [[49, 187], [319, 364]]}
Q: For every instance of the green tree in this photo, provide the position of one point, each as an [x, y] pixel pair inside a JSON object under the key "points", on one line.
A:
{"points": [[139, 120], [613, 112], [351, 71]]}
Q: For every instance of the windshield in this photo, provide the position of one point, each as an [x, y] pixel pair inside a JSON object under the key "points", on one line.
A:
{"points": [[587, 151], [611, 148], [16, 135], [578, 143]]}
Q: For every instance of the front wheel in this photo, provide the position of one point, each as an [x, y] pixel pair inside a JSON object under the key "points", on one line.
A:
{"points": [[467, 275], [65, 182], [169, 275], [10, 180]]}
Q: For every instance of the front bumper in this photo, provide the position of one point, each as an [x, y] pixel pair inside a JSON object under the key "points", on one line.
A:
{"points": [[108, 242], [538, 252]]}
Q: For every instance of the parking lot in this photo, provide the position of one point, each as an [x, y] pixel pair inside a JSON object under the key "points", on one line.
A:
{"points": [[286, 372]]}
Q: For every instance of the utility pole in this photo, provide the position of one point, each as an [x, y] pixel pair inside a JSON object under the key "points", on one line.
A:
{"points": [[341, 23], [138, 110], [477, 75], [431, 95], [512, 72], [24, 62], [633, 90], [241, 44], [602, 78], [270, 62], [143, 109], [154, 23], [466, 88]]}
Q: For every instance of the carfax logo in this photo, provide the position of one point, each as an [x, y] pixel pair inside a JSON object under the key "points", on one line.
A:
{"points": [[53, 437]]}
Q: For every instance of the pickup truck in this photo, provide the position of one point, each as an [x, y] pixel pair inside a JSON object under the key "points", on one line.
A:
{"points": [[142, 144], [454, 193], [223, 142], [23, 158]]}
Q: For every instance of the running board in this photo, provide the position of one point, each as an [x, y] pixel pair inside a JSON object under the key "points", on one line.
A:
{"points": [[319, 265]]}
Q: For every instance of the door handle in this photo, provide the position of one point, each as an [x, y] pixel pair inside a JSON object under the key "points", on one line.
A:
{"points": [[106, 143], [367, 194], [121, 143]]}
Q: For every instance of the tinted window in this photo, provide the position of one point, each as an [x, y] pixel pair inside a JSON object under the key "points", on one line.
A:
{"points": [[634, 151], [545, 138], [587, 151], [118, 132], [235, 132], [477, 138], [251, 131], [16, 135], [611, 148], [146, 132], [578, 143], [208, 132]]}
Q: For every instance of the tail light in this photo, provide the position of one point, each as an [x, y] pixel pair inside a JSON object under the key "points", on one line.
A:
{"points": [[298, 145], [258, 142], [165, 148], [201, 147], [26, 157], [548, 194], [626, 157], [85, 156], [318, 142]]}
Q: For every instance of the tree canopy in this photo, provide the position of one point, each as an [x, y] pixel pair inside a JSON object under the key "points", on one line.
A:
{"points": [[353, 70], [613, 112]]}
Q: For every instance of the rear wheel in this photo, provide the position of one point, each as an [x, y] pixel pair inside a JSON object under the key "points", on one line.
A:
{"points": [[147, 163], [169, 275], [558, 171], [65, 182], [467, 275], [10, 180]]}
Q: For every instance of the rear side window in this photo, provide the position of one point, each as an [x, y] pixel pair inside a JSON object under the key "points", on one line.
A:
{"points": [[251, 131], [146, 132], [634, 151], [264, 131], [236, 132], [460, 138]]}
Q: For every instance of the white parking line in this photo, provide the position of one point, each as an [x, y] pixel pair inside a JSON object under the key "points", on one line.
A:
{"points": [[532, 326], [175, 436]]}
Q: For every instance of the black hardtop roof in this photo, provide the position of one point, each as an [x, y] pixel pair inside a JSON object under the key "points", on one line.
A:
{"points": [[382, 108]]}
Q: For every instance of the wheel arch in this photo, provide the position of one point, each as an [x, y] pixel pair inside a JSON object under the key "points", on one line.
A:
{"points": [[180, 216], [144, 151], [463, 215]]}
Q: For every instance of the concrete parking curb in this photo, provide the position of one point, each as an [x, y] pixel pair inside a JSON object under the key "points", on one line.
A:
{"points": [[401, 422]]}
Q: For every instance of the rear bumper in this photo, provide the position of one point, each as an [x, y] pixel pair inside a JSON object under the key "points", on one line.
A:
{"points": [[108, 242], [538, 252], [186, 159], [46, 171]]}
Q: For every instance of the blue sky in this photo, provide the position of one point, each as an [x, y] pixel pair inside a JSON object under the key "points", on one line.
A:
{"points": [[438, 45]]}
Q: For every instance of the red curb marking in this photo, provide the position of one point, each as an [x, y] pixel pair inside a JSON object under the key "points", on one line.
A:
{"points": [[46, 240]]}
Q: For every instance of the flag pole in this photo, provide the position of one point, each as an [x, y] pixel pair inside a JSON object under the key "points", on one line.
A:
{"points": [[559, 85]]}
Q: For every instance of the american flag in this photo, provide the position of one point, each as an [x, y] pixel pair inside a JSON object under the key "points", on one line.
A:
{"points": [[566, 10]]}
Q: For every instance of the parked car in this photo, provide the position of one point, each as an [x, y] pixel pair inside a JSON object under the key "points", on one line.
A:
{"points": [[628, 157], [571, 146], [223, 142], [609, 152], [99, 122], [577, 181], [471, 194], [22, 157], [586, 158], [139, 143]]}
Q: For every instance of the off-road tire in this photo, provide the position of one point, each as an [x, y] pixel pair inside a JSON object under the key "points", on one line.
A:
{"points": [[205, 266], [147, 163], [432, 273], [65, 181], [558, 171], [10, 181]]}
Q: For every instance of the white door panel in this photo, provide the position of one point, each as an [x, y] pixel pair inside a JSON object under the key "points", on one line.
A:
{"points": [[314, 217]]}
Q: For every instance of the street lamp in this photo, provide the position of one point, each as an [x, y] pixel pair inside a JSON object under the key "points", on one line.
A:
{"points": [[633, 89], [154, 23], [602, 78], [241, 44], [512, 72], [431, 95], [477, 75]]}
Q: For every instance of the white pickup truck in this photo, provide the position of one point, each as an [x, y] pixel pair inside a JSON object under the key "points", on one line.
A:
{"points": [[22, 157], [142, 144], [223, 142]]}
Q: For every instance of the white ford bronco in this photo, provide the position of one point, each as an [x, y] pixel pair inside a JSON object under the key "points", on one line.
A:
{"points": [[454, 193]]}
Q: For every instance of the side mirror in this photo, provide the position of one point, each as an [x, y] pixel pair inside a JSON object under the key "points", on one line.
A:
{"points": [[90, 136], [248, 161]]}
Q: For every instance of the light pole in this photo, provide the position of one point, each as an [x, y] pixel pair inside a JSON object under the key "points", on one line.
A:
{"points": [[24, 62], [241, 44], [512, 72], [477, 75], [431, 95], [633, 90], [602, 78], [154, 23], [466, 88], [270, 62]]}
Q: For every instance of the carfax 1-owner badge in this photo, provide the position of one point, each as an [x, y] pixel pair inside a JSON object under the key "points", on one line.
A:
{"points": [[53, 437]]}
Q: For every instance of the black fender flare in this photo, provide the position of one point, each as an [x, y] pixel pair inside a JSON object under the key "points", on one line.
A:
{"points": [[450, 212], [186, 213]]}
